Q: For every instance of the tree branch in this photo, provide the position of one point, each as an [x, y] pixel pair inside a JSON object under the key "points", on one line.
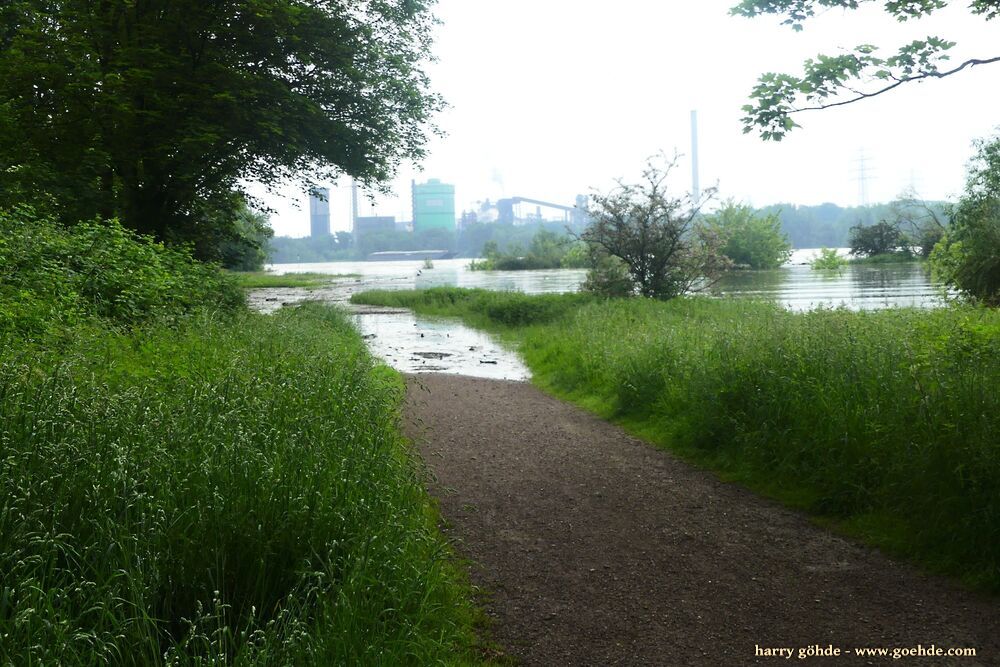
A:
{"points": [[906, 79]]}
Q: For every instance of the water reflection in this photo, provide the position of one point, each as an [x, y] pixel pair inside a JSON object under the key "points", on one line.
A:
{"points": [[856, 286], [796, 285]]}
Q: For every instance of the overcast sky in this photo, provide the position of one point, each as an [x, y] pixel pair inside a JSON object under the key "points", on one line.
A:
{"points": [[555, 98]]}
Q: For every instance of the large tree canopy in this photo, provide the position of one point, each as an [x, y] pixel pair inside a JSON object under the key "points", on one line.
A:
{"points": [[155, 111], [829, 81]]}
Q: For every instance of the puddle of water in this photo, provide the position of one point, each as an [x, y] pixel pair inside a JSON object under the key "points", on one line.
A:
{"points": [[413, 344]]}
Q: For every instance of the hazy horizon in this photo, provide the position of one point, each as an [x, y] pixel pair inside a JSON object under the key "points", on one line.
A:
{"points": [[576, 96]]}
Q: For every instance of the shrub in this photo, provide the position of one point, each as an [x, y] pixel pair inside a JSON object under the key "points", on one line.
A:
{"points": [[878, 239], [828, 259], [750, 240], [51, 276], [968, 256], [653, 236]]}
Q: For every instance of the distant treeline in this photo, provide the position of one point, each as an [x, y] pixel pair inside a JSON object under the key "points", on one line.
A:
{"points": [[825, 225], [468, 242], [828, 225]]}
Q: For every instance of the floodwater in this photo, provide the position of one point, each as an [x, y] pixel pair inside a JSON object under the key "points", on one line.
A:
{"points": [[413, 344], [857, 286]]}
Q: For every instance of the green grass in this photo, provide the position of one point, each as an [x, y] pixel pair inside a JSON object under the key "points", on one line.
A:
{"points": [[258, 279], [480, 307], [881, 423], [231, 489]]}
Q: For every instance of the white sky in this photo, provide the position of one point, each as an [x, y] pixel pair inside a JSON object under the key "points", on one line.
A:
{"points": [[552, 98]]}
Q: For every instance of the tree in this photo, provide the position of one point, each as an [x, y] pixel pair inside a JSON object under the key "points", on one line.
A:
{"points": [[646, 238], [882, 238], [830, 81], [154, 111], [968, 256], [246, 249], [749, 239], [923, 223]]}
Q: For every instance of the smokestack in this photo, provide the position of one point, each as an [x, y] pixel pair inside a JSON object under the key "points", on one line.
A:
{"points": [[695, 187]]}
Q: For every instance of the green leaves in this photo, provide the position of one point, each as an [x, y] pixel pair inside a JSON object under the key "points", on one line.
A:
{"points": [[155, 112], [52, 276], [830, 81], [750, 240], [968, 257]]}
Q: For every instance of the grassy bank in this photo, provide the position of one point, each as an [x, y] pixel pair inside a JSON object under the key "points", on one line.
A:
{"points": [[186, 482], [882, 422], [233, 488]]}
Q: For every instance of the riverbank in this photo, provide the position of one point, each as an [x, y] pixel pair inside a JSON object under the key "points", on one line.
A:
{"points": [[880, 423]]}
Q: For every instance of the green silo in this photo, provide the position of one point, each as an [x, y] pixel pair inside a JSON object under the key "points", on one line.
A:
{"points": [[433, 205]]}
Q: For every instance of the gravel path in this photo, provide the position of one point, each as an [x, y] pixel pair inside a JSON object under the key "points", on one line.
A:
{"points": [[597, 549]]}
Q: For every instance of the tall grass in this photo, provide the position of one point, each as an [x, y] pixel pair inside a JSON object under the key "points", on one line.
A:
{"points": [[478, 306], [227, 490], [885, 422]]}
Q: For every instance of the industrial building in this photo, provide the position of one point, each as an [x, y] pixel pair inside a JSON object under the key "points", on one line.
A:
{"points": [[433, 205], [574, 215], [319, 212]]}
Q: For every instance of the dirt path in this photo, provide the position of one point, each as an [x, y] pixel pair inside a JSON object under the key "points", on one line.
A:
{"points": [[597, 549]]}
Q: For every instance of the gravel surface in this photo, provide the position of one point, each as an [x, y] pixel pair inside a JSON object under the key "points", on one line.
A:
{"points": [[594, 548]]}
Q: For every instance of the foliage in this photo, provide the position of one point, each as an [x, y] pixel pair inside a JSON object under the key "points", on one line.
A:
{"points": [[465, 242], [883, 421], [548, 250], [749, 239], [51, 276], [653, 234], [923, 223], [338, 247], [577, 256], [879, 239], [968, 256], [222, 491], [827, 259], [829, 81], [244, 250], [829, 225], [156, 112], [608, 277]]}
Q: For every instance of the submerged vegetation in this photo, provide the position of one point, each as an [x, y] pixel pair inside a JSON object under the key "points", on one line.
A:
{"points": [[187, 482], [749, 239], [828, 259], [547, 250], [883, 422]]}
